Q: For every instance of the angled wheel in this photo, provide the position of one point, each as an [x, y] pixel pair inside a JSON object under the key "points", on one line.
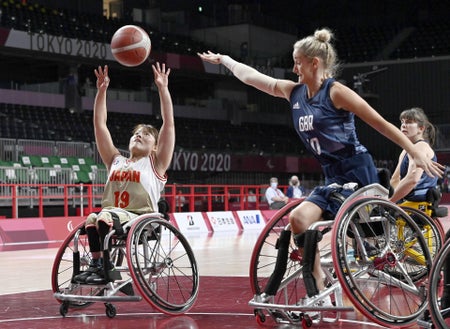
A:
{"points": [[162, 265], [73, 257], [439, 304], [264, 259], [264, 256], [389, 252], [431, 230]]}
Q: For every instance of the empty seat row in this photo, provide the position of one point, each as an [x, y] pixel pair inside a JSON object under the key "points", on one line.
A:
{"points": [[192, 134], [33, 169]]}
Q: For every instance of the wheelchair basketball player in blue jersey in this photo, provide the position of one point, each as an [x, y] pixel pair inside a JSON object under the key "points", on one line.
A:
{"points": [[323, 112]]}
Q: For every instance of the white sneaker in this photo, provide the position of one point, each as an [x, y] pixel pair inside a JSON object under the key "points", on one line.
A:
{"points": [[324, 302]]}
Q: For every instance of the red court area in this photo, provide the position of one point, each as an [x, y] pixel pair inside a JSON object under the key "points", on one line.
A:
{"points": [[27, 301], [222, 303]]}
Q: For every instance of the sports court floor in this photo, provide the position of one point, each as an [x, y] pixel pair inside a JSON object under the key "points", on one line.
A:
{"points": [[26, 299]]}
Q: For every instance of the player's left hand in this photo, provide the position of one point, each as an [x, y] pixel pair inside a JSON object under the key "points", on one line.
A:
{"points": [[431, 168], [210, 57], [102, 77], [161, 74]]}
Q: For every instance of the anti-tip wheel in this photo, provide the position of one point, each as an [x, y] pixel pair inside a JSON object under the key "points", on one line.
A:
{"points": [[110, 310], [64, 308]]}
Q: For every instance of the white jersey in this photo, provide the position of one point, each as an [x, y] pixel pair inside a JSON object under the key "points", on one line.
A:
{"points": [[134, 186]]}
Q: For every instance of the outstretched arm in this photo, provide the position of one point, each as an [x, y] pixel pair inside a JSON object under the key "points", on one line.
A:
{"points": [[103, 139], [250, 76], [166, 138], [345, 98]]}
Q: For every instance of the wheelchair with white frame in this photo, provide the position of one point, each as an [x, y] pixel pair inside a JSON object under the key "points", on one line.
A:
{"points": [[374, 256], [152, 261]]}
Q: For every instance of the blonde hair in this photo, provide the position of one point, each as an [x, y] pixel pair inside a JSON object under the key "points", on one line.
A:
{"points": [[416, 114], [319, 45]]}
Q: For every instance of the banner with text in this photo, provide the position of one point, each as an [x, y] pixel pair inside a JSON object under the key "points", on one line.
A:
{"points": [[190, 222], [60, 45], [251, 219], [222, 221], [225, 162]]}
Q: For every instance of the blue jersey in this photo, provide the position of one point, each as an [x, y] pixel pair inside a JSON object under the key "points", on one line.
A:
{"points": [[330, 135], [425, 183], [327, 132]]}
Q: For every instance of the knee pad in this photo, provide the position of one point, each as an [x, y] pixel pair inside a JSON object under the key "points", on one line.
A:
{"points": [[311, 238]]}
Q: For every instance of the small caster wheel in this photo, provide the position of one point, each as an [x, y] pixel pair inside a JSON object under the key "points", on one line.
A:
{"points": [[110, 310], [64, 308], [306, 321], [260, 317]]}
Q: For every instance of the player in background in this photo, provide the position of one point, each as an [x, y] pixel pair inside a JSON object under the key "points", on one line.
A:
{"points": [[409, 182]]}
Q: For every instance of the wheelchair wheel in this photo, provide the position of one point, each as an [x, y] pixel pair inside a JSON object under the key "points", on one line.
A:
{"points": [[440, 313], [431, 230], [264, 255], [72, 258], [162, 265], [388, 251], [263, 262]]}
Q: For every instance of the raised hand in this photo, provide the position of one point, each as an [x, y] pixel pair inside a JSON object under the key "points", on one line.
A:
{"points": [[210, 57], [161, 75], [102, 77]]}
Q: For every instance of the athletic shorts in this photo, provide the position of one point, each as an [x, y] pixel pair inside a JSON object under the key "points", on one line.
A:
{"points": [[357, 169], [106, 215]]}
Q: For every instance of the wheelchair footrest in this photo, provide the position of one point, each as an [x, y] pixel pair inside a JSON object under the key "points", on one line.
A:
{"points": [[425, 323], [80, 298], [302, 308], [114, 275]]}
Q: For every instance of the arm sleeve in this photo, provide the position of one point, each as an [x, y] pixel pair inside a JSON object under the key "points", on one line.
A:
{"points": [[250, 76]]}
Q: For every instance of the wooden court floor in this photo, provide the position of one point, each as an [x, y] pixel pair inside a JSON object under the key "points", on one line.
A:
{"points": [[26, 299]]}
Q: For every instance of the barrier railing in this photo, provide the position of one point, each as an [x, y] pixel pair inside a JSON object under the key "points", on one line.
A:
{"points": [[36, 200]]}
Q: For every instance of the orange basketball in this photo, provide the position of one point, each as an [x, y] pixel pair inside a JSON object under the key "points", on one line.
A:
{"points": [[130, 45]]}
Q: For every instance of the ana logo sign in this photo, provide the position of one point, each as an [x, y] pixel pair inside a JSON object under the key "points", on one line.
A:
{"points": [[251, 219]]}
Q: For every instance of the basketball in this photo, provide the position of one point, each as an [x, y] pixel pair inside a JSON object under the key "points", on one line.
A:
{"points": [[130, 45]]}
